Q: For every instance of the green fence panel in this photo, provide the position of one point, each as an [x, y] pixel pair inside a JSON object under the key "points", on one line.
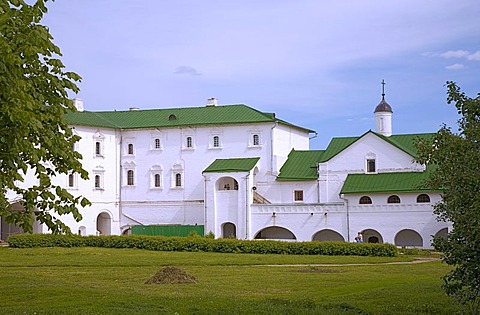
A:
{"points": [[167, 230]]}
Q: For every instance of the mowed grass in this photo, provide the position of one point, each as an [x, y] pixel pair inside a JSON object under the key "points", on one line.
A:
{"points": [[112, 281]]}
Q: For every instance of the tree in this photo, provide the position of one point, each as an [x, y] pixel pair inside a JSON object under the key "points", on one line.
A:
{"points": [[35, 139], [456, 160]]}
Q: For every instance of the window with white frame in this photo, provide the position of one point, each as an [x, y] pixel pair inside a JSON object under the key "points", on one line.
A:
{"points": [[215, 141], [130, 178], [256, 139], [156, 141], [98, 177], [178, 180], [129, 173], [370, 163], [298, 195], [98, 144], [156, 177], [130, 149], [72, 181]]}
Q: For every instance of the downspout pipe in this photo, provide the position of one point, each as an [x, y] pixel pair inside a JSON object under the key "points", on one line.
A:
{"points": [[247, 189], [271, 147], [345, 201], [205, 204]]}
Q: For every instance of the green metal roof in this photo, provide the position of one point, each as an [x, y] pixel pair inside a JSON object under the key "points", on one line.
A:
{"points": [[300, 165], [404, 142], [175, 117], [232, 165], [401, 182]]}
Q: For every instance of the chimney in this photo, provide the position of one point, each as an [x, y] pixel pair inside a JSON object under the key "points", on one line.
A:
{"points": [[212, 102], [78, 103]]}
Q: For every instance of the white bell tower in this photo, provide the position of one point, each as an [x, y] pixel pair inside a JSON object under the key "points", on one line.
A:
{"points": [[383, 116]]}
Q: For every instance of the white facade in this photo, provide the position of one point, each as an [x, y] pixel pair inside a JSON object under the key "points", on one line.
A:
{"points": [[155, 176]]}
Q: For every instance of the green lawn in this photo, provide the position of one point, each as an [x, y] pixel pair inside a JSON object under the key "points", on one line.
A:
{"points": [[112, 281]]}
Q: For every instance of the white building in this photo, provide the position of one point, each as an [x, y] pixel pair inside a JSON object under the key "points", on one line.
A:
{"points": [[236, 171]]}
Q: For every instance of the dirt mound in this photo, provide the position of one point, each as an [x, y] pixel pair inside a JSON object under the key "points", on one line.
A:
{"points": [[171, 275]]}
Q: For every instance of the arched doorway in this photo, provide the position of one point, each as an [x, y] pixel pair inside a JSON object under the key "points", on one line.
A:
{"points": [[328, 236], [372, 236], [443, 233], [82, 231], [275, 233], [104, 224], [7, 229], [227, 183], [229, 230], [408, 237]]}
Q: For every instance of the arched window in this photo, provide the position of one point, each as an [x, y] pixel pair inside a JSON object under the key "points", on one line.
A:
{"points": [[216, 141], [178, 180], [393, 199], [189, 142], [157, 180], [130, 178], [157, 143], [71, 180], [256, 140], [172, 117], [98, 147], [130, 148], [423, 198], [365, 200], [97, 181]]}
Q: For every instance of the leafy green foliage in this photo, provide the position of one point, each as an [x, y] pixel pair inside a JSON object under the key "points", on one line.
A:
{"points": [[456, 157], [202, 244], [34, 136]]}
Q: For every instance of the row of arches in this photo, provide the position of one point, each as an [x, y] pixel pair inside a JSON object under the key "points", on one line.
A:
{"points": [[404, 238], [422, 198]]}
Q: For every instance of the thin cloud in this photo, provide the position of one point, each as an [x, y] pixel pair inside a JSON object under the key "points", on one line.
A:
{"points": [[474, 56], [455, 54], [455, 66], [187, 70]]}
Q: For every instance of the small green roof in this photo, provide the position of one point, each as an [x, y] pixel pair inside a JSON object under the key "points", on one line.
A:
{"points": [[404, 142], [232, 165], [175, 117], [401, 182], [300, 165]]}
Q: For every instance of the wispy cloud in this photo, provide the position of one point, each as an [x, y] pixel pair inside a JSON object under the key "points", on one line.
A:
{"points": [[455, 66], [187, 70], [455, 54], [474, 56]]}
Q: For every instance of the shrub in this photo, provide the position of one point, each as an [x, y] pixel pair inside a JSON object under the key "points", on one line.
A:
{"points": [[203, 244]]}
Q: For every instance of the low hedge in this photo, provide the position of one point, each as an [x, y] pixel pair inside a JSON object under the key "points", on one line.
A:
{"points": [[202, 244]]}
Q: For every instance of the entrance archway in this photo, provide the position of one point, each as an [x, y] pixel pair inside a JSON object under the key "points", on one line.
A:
{"points": [[443, 233], [104, 224], [372, 236], [408, 237], [227, 183], [328, 236], [275, 233], [229, 230]]}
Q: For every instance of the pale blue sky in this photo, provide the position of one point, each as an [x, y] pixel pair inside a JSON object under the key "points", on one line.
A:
{"points": [[317, 64]]}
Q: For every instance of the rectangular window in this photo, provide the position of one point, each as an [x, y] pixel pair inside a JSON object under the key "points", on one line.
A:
{"points": [[216, 141], [71, 180], [130, 178], [98, 148], [178, 180], [157, 143], [298, 195], [371, 166]]}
